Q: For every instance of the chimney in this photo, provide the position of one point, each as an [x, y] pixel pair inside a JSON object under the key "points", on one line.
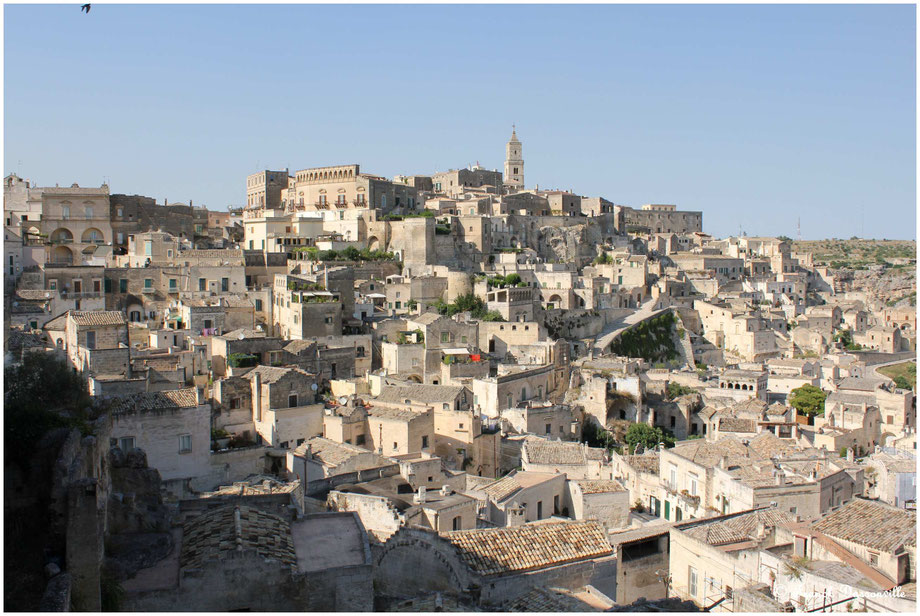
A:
{"points": [[723, 462], [420, 497], [851, 456], [445, 490], [257, 394], [780, 477]]}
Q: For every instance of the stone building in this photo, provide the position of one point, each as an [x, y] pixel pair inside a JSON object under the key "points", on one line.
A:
{"points": [[240, 558], [76, 222], [477, 564], [172, 427]]}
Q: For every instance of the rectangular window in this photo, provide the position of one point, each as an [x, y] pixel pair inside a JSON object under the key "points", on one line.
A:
{"points": [[123, 285], [148, 283], [97, 286], [693, 582], [172, 284], [52, 285], [224, 284], [126, 443], [458, 523], [148, 247], [445, 336], [259, 305], [202, 284], [424, 442], [185, 443], [77, 286], [89, 212], [549, 428], [292, 400]]}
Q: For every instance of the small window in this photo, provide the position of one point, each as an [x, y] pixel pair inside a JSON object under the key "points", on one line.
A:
{"points": [[185, 443], [123, 285], [359, 439], [461, 426], [126, 443], [292, 400], [148, 283], [549, 428], [445, 336], [202, 284], [424, 442], [395, 445]]}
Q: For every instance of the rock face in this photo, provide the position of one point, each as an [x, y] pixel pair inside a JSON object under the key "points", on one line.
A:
{"points": [[135, 503], [573, 243]]}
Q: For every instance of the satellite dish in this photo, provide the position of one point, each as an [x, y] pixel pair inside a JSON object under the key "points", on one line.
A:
{"points": [[314, 386], [343, 399], [242, 336]]}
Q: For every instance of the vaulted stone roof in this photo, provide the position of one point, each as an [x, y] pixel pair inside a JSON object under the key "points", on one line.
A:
{"points": [[236, 528]]}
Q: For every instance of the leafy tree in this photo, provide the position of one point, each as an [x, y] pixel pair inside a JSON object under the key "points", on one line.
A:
{"points": [[676, 390], [41, 394], [512, 279], [351, 253], [808, 400], [647, 436]]}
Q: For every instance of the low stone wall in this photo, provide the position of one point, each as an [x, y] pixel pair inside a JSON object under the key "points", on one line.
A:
{"points": [[321, 486]]}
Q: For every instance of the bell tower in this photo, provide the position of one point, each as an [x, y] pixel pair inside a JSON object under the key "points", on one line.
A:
{"points": [[514, 163]]}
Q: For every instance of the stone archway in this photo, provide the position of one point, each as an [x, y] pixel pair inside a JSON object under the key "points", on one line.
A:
{"points": [[62, 254], [373, 243], [413, 562]]}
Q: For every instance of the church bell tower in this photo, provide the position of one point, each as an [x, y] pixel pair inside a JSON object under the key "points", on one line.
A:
{"points": [[514, 163]]}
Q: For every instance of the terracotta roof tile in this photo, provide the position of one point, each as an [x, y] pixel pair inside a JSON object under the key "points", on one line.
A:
{"points": [[532, 546], [871, 524]]}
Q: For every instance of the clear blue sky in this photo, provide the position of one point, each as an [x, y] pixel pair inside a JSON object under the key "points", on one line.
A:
{"points": [[755, 115]]}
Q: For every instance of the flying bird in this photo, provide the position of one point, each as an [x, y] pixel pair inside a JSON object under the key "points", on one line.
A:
{"points": [[85, 8]]}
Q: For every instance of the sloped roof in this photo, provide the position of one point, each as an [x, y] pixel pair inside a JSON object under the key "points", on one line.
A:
{"points": [[154, 401], [599, 486], [426, 394], [332, 454], [709, 454], [548, 600], [272, 374], [542, 451], [425, 319], [644, 463], [233, 528], [532, 546], [735, 529], [871, 524], [98, 317]]}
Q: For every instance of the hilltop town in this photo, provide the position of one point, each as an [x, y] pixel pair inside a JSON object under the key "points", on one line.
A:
{"points": [[449, 392]]}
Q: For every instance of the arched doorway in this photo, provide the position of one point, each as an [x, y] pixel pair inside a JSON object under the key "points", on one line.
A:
{"points": [[62, 254], [373, 243]]}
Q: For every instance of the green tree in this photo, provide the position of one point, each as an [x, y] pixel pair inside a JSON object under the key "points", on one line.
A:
{"points": [[676, 390], [647, 436], [808, 400], [40, 394]]}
